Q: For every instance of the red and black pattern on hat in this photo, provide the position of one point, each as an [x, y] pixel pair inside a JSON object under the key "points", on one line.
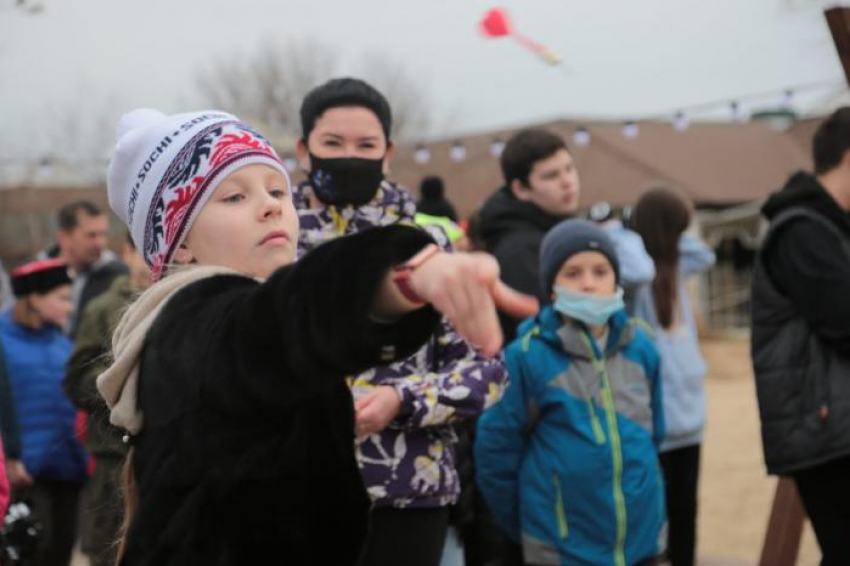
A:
{"points": [[197, 167], [39, 277]]}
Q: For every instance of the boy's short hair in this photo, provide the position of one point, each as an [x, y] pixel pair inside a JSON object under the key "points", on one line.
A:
{"points": [[344, 92], [831, 141], [524, 149], [68, 216]]}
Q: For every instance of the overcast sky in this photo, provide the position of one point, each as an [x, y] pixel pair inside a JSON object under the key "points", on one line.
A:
{"points": [[93, 59]]}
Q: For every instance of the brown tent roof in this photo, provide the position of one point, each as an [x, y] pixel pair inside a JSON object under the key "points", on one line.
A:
{"points": [[715, 163]]}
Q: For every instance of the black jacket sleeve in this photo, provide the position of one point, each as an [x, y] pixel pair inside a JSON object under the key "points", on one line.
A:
{"points": [[806, 264], [9, 427], [251, 349], [322, 304], [325, 299], [519, 260]]}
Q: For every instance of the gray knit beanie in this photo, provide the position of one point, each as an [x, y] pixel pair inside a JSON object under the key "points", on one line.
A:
{"points": [[568, 238]]}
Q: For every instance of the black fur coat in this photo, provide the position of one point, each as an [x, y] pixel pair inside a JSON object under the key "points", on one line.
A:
{"points": [[247, 454]]}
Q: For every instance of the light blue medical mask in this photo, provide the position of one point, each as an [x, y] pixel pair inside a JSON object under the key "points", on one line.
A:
{"points": [[593, 310]]}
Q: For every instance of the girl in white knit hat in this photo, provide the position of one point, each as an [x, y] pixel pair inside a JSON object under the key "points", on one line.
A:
{"points": [[228, 371]]}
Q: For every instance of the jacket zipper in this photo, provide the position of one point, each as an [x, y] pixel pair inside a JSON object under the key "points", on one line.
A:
{"points": [[616, 453], [563, 531], [594, 421]]}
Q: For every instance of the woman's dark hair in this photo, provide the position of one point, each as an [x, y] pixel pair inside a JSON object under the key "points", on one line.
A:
{"points": [[344, 92], [660, 217]]}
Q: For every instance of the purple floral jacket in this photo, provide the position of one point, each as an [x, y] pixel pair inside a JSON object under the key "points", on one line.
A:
{"points": [[411, 463]]}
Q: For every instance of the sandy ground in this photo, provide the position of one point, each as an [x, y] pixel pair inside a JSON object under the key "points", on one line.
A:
{"points": [[735, 492]]}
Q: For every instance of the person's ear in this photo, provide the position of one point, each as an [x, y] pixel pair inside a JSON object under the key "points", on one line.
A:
{"points": [[183, 255], [127, 251], [303, 155], [388, 157], [62, 238], [520, 191]]}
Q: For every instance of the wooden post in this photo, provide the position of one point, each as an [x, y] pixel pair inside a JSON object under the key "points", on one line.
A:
{"points": [[838, 20], [785, 527]]}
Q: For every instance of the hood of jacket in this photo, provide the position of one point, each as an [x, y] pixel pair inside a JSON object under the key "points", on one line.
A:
{"points": [[804, 191], [502, 213]]}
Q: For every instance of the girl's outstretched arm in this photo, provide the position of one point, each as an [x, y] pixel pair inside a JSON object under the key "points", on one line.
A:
{"points": [[466, 289]]}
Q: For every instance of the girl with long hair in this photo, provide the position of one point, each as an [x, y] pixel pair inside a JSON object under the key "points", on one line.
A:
{"points": [[661, 217]]}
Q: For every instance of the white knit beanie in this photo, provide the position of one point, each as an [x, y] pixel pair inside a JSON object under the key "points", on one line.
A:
{"points": [[166, 167]]}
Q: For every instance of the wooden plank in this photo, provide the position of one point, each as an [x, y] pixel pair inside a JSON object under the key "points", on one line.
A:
{"points": [[785, 526], [838, 20]]}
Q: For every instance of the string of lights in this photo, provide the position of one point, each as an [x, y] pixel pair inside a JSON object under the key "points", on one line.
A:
{"points": [[679, 119]]}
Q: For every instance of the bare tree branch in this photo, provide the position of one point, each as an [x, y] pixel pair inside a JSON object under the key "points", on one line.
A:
{"points": [[266, 87], [408, 99]]}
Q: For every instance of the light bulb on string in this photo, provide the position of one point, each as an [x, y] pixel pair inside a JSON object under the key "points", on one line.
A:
{"points": [[787, 100], [497, 146], [421, 155], [681, 122], [581, 136], [457, 152], [45, 166], [631, 130], [738, 114]]}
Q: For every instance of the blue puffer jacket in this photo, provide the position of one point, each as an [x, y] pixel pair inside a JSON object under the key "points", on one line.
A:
{"points": [[567, 460], [35, 360]]}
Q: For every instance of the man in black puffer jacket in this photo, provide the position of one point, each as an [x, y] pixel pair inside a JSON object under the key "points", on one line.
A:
{"points": [[541, 189], [801, 336]]}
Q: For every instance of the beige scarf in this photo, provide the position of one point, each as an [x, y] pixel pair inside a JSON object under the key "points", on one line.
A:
{"points": [[119, 384]]}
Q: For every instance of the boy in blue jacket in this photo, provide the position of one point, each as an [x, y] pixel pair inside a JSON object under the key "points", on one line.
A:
{"points": [[567, 460]]}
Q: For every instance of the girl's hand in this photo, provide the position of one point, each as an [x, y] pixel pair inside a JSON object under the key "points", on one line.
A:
{"points": [[466, 288], [375, 410]]}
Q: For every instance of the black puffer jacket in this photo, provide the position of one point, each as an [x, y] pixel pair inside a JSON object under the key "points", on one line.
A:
{"points": [[513, 230], [801, 328]]}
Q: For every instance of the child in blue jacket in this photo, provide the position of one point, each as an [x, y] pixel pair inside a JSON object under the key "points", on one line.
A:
{"points": [[567, 460]]}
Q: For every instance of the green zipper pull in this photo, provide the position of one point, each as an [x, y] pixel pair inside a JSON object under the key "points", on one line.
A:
{"points": [[616, 452], [526, 340], [559, 508], [594, 421]]}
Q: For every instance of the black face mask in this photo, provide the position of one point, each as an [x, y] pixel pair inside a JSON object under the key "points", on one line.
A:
{"points": [[342, 181]]}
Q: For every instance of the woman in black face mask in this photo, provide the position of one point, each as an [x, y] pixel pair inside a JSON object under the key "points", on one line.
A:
{"points": [[405, 411], [345, 148]]}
